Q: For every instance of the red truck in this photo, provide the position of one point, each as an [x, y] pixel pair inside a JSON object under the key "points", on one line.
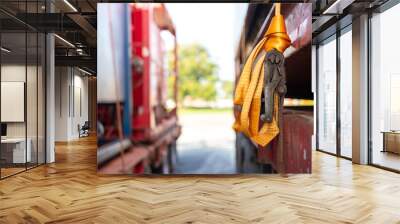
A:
{"points": [[150, 129]]}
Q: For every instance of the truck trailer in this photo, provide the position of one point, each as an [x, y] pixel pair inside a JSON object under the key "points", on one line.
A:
{"points": [[138, 132]]}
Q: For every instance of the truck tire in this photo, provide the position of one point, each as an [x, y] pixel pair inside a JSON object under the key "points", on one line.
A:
{"points": [[246, 155], [157, 169], [172, 157], [169, 161]]}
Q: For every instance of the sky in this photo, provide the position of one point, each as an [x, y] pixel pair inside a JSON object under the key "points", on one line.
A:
{"points": [[215, 26]]}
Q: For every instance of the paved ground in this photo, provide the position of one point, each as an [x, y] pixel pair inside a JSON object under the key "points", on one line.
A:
{"points": [[207, 143]]}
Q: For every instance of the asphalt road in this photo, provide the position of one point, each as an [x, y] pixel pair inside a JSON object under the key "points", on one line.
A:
{"points": [[207, 143]]}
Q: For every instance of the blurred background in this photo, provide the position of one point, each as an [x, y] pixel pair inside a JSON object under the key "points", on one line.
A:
{"points": [[166, 77], [206, 64]]}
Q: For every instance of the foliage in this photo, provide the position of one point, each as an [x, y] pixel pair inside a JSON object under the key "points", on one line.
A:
{"points": [[227, 87], [197, 74]]}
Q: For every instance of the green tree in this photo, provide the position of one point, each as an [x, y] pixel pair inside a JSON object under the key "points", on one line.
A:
{"points": [[227, 87], [197, 73]]}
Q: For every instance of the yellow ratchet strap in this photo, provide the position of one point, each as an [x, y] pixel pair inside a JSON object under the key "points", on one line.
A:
{"points": [[251, 83]]}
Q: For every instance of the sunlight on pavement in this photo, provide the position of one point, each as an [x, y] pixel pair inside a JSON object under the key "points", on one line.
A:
{"points": [[207, 142]]}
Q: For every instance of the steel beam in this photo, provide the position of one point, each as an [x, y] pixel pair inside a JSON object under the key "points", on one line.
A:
{"points": [[80, 61]]}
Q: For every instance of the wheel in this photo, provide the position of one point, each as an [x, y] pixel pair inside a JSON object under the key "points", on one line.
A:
{"points": [[157, 169], [246, 155], [168, 162], [172, 157], [239, 153]]}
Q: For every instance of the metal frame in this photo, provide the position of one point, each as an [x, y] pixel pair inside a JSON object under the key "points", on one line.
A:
{"points": [[338, 98], [128, 103], [381, 9], [37, 92], [44, 75], [26, 88], [340, 31], [45, 89], [316, 97], [317, 91], [369, 97], [387, 5]]}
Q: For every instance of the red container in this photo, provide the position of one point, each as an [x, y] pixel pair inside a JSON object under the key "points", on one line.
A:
{"points": [[154, 127]]}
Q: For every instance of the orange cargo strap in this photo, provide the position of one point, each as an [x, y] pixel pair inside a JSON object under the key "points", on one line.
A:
{"points": [[250, 86]]}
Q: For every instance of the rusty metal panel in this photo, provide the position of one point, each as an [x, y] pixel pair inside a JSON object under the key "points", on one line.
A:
{"points": [[297, 133], [298, 130]]}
